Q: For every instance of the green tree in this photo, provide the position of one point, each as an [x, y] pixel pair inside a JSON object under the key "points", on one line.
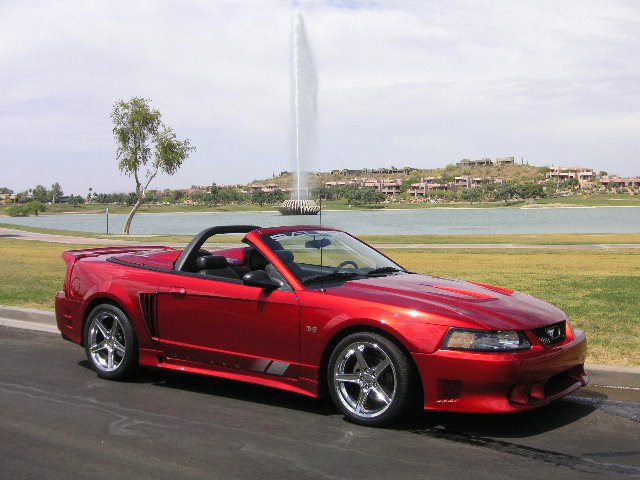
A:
{"points": [[406, 185], [198, 197], [18, 211], [259, 197], [214, 194], [35, 207], [472, 194], [322, 191], [146, 146], [277, 196], [76, 200], [55, 192], [131, 199], [531, 190], [178, 195], [40, 193], [504, 192], [231, 195], [364, 196]]}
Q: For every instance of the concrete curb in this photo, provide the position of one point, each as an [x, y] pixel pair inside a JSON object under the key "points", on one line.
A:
{"points": [[612, 368], [28, 319], [31, 319], [27, 315]]}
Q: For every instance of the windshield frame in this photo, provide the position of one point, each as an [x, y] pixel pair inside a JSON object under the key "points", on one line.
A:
{"points": [[375, 258]]}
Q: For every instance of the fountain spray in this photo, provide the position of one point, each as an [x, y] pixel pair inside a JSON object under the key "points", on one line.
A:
{"points": [[304, 94]]}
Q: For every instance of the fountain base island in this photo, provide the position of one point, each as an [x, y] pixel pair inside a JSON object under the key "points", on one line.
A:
{"points": [[299, 207]]}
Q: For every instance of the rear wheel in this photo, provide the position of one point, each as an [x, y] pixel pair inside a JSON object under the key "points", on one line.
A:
{"points": [[110, 342], [370, 379]]}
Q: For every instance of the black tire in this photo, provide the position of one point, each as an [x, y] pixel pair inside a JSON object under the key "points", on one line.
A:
{"points": [[381, 391], [110, 342]]}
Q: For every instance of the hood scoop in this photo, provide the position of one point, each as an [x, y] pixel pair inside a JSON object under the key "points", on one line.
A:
{"points": [[504, 291], [466, 293]]}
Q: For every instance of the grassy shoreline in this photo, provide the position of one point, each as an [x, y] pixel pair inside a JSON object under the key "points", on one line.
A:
{"points": [[592, 200], [524, 238]]}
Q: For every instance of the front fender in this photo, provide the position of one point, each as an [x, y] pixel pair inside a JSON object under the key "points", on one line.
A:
{"points": [[375, 318]]}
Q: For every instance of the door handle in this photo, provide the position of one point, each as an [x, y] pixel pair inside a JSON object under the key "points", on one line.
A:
{"points": [[177, 290]]}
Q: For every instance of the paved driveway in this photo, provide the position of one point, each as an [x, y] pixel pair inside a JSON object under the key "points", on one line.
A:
{"points": [[59, 420]]}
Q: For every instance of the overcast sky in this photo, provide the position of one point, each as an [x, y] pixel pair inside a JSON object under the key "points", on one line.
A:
{"points": [[405, 83]]}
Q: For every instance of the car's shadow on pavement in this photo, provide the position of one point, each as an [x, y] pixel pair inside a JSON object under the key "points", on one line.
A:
{"points": [[231, 389], [438, 424], [510, 425]]}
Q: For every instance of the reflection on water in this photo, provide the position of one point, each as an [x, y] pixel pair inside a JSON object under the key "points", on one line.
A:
{"points": [[427, 221]]}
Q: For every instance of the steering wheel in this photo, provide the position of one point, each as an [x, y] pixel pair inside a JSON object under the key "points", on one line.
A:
{"points": [[344, 264]]}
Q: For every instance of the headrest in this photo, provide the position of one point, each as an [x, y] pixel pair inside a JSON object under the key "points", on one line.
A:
{"points": [[211, 262], [285, 255], [254, 259]]}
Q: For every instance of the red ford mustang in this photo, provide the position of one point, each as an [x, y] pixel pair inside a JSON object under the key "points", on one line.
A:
{"points": [[314, 310]]}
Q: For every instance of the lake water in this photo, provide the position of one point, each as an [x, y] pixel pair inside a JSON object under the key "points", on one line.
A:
{"points": [[362, 222]]}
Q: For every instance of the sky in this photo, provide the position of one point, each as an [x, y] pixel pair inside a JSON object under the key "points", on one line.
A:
{"points": [[404, 83]]}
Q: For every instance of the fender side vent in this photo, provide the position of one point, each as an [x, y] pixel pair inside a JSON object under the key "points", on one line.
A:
{"points": [[149, 305]]}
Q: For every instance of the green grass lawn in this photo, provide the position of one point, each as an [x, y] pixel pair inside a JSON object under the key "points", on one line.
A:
{"points": [[527, 239], [31, 272], [597, 288]]}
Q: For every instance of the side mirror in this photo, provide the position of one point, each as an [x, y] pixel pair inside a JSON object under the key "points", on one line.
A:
{"points": [[260, 279]]}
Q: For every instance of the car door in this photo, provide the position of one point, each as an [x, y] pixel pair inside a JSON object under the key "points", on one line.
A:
{"points": [[223, 323]]}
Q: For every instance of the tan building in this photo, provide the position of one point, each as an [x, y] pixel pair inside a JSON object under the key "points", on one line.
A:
{"points": [[505, 161], [425, 186], [570, 173], [465, 162], [620, 182], [462, 182]]}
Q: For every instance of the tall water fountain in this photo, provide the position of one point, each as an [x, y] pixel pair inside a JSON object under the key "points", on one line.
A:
{"points": [[304, 111]]}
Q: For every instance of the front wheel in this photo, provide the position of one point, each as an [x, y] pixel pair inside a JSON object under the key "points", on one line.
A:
{"points": [[370, 379], [110, 342]]}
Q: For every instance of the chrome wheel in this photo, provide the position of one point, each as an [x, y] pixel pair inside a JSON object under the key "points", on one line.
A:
{"points": [[365, 379], [107, 344]]}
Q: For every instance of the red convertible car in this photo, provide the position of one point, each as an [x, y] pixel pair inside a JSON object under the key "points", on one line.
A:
{"points": [[313, 310]]}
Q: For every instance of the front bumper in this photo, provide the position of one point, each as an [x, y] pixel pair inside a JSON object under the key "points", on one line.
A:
{"points": [[465, 381]]}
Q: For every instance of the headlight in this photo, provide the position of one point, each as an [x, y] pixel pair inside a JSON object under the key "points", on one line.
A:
{"points": [[485, 341]]}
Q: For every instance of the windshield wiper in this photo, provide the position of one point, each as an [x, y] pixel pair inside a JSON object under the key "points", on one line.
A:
{"points": [[384, 271], [331, 276]]}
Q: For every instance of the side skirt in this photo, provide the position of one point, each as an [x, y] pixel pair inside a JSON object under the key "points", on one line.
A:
{"points": [[157, 359]]}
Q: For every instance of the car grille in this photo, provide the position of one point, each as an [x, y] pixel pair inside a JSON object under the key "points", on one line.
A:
{"points": [[552, 334]]}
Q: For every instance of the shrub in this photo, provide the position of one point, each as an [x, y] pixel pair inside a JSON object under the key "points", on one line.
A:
{"points": [[18, 211]]}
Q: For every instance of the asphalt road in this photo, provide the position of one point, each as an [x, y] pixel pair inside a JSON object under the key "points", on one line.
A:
{"points": [[59, 420]]}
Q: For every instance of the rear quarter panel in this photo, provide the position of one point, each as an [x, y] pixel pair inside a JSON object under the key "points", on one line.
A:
{"points": [[96, 280]]}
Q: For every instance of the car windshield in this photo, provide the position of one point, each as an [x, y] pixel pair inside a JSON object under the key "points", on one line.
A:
{"points": [[314, 255]]}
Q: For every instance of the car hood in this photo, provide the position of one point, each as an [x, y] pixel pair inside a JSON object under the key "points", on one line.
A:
{"points": [[474, 304]]}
